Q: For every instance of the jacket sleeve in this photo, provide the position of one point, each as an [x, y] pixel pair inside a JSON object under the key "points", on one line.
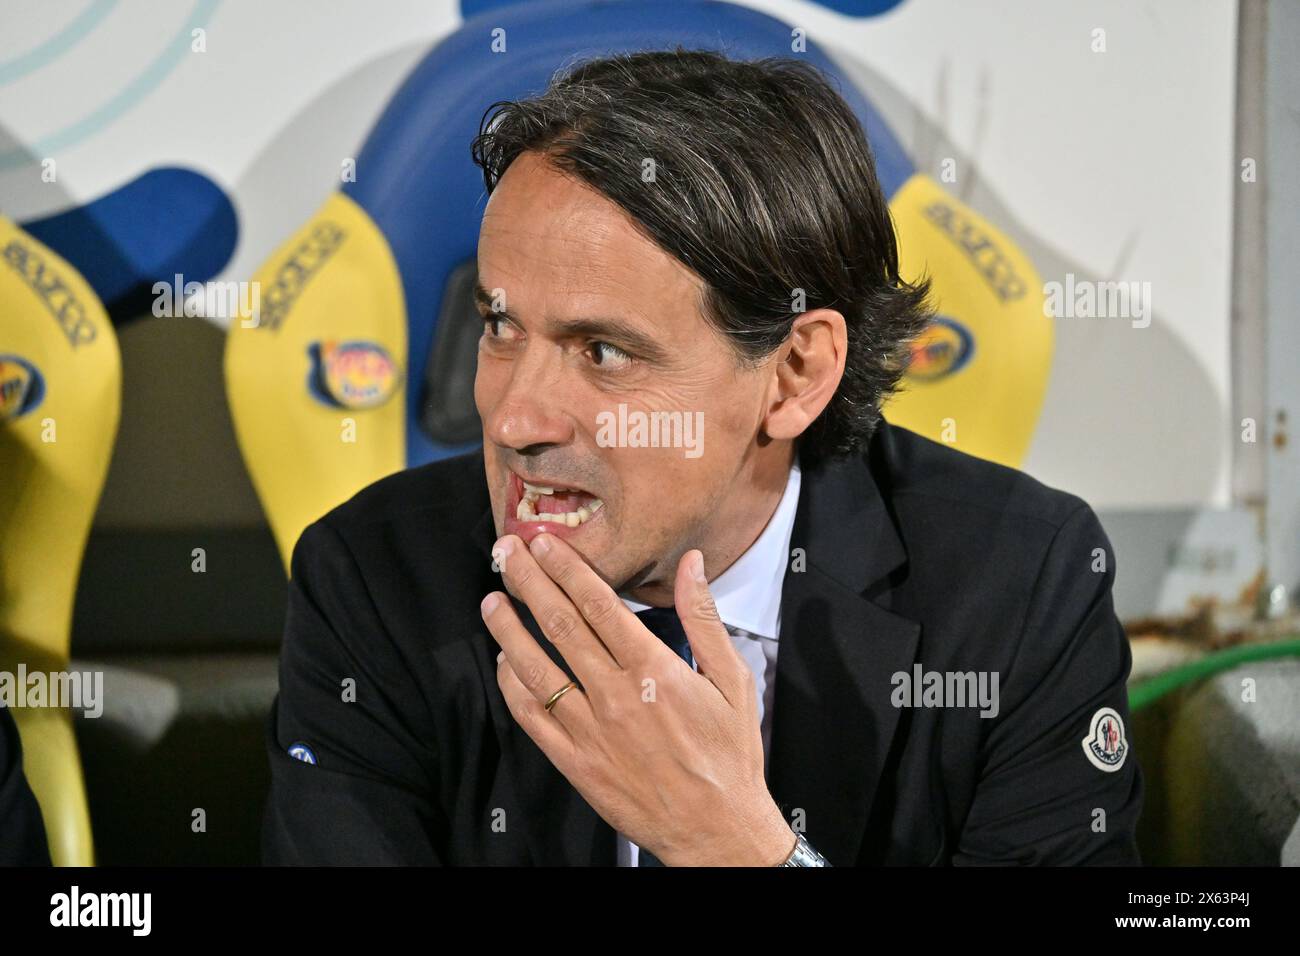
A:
{"points": [[22, 828], [361, 788], [1060, 784]]}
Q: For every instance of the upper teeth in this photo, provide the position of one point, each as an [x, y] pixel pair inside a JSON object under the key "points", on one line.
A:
{"points": [[525, 511]]}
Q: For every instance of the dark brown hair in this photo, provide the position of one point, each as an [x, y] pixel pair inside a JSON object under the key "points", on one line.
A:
{"points": [[764, 185]]}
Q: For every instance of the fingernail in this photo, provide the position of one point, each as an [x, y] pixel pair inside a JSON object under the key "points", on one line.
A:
{"points": [[490, 603], [541, 544], [698, 569], [501, 657]]}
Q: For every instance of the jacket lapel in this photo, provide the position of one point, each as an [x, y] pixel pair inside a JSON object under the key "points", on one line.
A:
{"points": [[833, 722]]}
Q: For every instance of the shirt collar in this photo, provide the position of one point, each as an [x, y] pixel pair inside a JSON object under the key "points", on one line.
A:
{"points": [[748, 594]]}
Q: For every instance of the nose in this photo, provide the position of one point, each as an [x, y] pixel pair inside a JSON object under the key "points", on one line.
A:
{"points": [[530, 409]]}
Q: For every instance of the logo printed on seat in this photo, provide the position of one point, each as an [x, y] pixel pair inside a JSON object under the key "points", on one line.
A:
{"points": [[944, 348], [21, 387], [352, 374]]}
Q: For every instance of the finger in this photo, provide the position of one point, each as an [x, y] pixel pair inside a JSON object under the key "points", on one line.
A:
{"points": [[561, 622], [533, 669], [545, 729], [614, 625], [711, 646]]}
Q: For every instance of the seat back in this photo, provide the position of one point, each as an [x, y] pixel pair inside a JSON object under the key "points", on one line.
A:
{"points": [[60, 394], [979, 373]]}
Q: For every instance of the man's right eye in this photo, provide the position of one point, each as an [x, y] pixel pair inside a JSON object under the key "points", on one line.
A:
{"points": [[489, 326]]}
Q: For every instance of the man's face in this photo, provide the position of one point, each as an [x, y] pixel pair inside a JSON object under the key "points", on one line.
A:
{"points": [[583, 314]]}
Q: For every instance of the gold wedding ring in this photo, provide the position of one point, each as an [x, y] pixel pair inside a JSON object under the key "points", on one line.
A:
{"points": [[558, 694]]}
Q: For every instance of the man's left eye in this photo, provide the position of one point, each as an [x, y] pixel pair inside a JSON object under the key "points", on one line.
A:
{"points": [[614, 357]]}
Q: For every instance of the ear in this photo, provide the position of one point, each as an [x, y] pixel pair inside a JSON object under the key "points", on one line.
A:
{"points": [[809, 367]]}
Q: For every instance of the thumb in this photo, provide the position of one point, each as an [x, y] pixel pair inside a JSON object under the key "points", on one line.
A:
{"points": [[711, 645]]}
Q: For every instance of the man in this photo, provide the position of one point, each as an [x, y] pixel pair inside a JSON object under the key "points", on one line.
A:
{"points": [[692, 313]]}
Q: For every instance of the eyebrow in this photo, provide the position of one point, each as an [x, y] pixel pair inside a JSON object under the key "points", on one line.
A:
{"points": [[614, 331]]}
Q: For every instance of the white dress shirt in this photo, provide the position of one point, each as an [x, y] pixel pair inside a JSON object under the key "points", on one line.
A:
{"points": [[748, 596]]}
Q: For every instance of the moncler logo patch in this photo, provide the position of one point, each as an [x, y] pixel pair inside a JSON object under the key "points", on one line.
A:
{"points": [[1105, 744]]}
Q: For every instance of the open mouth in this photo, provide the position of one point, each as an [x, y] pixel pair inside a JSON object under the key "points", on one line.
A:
{"points": [[553, 504]]}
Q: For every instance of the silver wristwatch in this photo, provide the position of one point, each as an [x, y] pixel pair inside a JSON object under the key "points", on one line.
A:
{"points": [[803, 854]]}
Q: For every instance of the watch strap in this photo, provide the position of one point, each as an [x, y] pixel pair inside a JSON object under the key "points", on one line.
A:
{"points": [[804, 855]]}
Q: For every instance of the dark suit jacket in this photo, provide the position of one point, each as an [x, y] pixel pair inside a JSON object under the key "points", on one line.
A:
{"points": [[22, 828], [915, 554]]}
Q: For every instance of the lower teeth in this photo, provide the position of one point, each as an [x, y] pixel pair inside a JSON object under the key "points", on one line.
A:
{"points": [[572, 519]]}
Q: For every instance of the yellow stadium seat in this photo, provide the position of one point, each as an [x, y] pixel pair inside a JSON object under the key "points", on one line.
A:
{"points": [[60, 397]]}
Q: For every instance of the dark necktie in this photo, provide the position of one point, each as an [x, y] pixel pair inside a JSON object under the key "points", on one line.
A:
{"points": [[664, 624]]}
